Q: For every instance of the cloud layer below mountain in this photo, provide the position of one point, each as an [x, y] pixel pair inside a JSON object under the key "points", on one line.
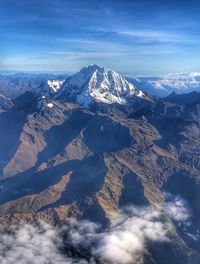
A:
{"points": [[124, 242]]}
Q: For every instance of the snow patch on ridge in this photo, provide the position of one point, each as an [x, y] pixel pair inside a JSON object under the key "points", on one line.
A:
{"points": [[55, 84], [50, 105]]}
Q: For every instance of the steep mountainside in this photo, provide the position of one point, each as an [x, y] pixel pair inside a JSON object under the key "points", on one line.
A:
{"points": [[97, 84], [60, 159], [5, 103]]}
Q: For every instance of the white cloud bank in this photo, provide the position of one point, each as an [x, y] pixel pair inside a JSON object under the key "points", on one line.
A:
{"points": [[83, 242]]}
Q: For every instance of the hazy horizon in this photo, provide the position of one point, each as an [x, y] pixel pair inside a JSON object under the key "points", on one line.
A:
{"points": [[125, 74]]}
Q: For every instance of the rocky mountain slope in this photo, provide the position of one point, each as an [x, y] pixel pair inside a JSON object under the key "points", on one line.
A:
{"points": [[97, 84], [95, 146], [5, 103]]}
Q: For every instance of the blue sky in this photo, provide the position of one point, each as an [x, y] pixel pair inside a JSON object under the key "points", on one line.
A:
{"points": [[146, 37]]}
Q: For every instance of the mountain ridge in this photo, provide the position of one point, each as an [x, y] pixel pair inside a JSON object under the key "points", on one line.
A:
{"points": [[95, 83]]}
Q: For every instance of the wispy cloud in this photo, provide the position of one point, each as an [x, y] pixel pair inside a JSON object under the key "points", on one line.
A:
{"points": [[158, 36]]}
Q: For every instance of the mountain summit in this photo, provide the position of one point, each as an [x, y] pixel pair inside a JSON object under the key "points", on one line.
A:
{"points": [[97, 84]]}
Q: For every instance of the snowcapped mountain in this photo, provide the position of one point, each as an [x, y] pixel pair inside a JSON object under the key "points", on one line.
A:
{"points": [[55, 85], [97, 84], [15, 85], [49, 87], [163, 86]]}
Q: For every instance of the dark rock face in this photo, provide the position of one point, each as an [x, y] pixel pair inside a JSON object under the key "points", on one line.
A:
{"points": [[183, 99], [103, 134], [63, 160]]}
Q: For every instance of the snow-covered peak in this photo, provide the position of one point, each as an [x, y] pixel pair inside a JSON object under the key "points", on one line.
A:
{"points": [[55, 85], [49, 88], [95, 83]]}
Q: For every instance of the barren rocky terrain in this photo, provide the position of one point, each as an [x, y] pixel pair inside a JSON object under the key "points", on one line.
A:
{"points": [[72, 161]]}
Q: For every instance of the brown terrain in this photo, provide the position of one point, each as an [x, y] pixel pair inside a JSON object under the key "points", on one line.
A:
{"points": [[71, 161]]}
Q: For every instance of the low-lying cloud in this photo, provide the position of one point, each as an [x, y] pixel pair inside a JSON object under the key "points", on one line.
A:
{"points": [[124, 242], [176, 208]]}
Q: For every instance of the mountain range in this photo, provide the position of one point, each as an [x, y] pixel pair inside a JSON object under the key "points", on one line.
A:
{"points": [[15, 84], [87, 145]]}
